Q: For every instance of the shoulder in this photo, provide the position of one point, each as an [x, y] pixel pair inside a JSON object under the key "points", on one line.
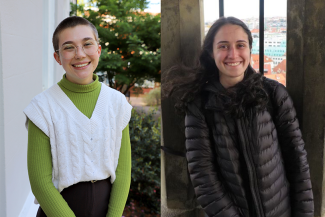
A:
{"points": [[279, 94], [270, 84], [275, 89], [119, 105], [41, 104], [45, 96], [38, 110], [112, 92], [116, 98], [195, 107]]}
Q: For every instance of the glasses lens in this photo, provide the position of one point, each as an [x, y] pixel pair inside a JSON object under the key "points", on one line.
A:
{"points": [[68, 51], [90, 47]]}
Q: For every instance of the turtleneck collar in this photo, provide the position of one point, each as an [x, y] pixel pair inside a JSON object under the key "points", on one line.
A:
{"points": [[78, 88]]}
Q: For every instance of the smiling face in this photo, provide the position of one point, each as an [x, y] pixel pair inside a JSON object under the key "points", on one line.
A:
{"points": [[231, 53], [80, 68]]}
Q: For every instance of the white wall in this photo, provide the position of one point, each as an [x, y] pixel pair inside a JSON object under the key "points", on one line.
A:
{"points": [[2, 143], [21, 63], [26, 28], [62, 9], [48, 29]]}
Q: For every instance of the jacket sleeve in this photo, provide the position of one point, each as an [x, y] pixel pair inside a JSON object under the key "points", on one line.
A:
{"points": [[294, 154], [209, 190]]}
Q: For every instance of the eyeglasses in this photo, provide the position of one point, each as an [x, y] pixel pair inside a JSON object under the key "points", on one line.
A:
{"points": [[68, 51]]}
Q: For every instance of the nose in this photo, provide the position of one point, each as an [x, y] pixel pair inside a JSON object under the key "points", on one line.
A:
{"points": [[80, 53], [232, 52]]}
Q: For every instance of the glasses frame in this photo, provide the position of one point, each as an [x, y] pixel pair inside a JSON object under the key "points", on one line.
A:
{"points": [[76, 50]]}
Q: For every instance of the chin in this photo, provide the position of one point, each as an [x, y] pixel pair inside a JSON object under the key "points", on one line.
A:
{"points": [[235, 74], [84, 74]]}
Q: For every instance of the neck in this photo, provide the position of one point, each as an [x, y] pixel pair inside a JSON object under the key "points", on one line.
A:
{"points": [[65, 83], [89, 80]]}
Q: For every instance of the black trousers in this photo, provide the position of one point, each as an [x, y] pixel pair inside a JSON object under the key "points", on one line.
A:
{"points": [[86, 199]]}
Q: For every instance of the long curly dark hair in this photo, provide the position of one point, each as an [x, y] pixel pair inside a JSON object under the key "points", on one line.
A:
{"points": [[184, 83]]}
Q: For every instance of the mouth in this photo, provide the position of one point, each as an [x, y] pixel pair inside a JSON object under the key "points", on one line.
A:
{"points": [[81, 66], [233, 64]]}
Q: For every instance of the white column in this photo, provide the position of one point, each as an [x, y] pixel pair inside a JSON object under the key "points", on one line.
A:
{"points": [[48, 29], [27, 67], [62, 11], [2, 136], [21, 48], [53, 13]]}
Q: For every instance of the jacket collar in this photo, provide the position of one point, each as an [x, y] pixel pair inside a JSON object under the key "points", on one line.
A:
{"points": [[214, 98]]}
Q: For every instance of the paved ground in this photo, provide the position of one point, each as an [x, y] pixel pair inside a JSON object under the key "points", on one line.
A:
{"points": [[137, 101]]}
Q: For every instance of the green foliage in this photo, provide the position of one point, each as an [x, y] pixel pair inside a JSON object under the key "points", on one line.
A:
{"points": [[145, 142], [153, 97], [130, 40], [76, 9]]}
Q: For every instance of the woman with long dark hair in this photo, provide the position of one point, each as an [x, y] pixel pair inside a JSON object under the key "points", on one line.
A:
{"points": [[245, 151]]}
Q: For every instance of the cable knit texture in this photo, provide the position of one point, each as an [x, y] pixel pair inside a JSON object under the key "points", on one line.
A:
{"points": [[54, 113], [39, 159]]}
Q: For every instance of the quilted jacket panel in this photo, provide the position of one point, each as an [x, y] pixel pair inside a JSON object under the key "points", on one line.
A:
{"points": [[250, 166]]}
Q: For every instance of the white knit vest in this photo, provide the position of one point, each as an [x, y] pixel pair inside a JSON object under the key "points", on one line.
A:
{"points": [[82, 149]]}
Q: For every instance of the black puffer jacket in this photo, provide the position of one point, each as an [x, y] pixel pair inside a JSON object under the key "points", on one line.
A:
{"points": [[255, 165]]}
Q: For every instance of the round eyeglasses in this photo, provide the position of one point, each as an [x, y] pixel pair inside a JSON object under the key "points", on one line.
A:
{"points": [[69, 51]]}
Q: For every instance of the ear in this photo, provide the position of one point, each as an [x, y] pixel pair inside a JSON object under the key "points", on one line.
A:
{"points": [[99, 50], [57, 57]]}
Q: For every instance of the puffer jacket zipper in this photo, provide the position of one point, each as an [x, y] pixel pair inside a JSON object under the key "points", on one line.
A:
{"points": [[246, 136]]}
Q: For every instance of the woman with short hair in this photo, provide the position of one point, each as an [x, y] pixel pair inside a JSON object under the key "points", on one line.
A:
{"points": [[79, 153]]}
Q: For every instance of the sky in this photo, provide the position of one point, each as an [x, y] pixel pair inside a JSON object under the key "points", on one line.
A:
{"points": [[244, 8], [153, 6], [237, 8]]}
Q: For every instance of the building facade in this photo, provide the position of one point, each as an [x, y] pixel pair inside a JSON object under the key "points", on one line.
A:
{"points": [[275, 47]]}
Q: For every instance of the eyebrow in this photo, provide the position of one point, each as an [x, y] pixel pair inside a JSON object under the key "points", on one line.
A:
{"points": [[220, 42], [84, 39]]}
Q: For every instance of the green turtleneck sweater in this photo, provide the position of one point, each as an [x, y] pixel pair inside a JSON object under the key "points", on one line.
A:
{"points": [[39, 158]]}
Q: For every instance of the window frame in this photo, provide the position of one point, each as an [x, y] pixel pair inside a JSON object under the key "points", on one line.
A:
{"points": [[261, 31]]}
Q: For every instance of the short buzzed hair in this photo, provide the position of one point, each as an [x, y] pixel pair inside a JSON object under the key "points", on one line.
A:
{"points": [[70, 22]]}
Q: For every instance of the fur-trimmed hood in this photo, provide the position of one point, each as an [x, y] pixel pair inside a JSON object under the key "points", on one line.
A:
{"points": [[247, 94]]}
